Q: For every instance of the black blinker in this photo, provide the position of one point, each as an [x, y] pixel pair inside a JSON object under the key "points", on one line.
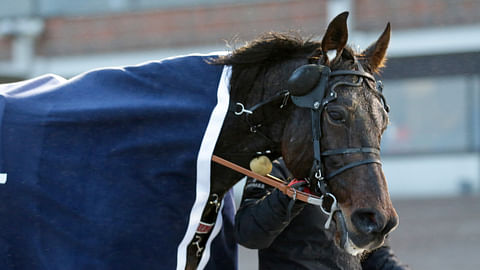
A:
{"points": [[303, 80], [308, 85]]}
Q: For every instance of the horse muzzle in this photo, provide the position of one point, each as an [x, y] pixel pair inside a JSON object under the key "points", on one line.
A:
{"points": [[368, 229]]}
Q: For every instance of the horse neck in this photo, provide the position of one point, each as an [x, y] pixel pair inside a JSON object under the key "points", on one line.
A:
{"points": [[238, 144], [236, 141]]}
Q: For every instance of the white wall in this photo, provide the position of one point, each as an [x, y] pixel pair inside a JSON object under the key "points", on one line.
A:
{"points": [[433, 175]]}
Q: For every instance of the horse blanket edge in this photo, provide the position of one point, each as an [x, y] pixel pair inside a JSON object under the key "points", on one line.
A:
{"points": [[203, 184], [71, 112]]}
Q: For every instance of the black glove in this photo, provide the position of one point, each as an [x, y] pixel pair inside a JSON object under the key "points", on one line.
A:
{"points": [[383, 258]]}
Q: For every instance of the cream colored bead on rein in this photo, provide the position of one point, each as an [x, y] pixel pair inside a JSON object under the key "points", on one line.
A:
{"points": [[261, 165]]}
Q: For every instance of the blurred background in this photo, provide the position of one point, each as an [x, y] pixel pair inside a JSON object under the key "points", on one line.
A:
{"points": [[431, 150]]}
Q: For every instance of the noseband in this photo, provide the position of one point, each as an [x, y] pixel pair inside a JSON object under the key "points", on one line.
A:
{"points": [[316, 100]]}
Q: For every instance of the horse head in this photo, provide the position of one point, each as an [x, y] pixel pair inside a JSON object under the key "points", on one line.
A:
{"points": [[352, 123], [332, 101]]}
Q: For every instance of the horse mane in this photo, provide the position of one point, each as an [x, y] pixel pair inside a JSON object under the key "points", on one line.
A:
{"points": [[257, 56], [273, 47], [269, 48], [251, 61]]}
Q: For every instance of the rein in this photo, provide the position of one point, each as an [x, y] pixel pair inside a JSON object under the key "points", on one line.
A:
{"points": [[295, 195], [272, 181]]}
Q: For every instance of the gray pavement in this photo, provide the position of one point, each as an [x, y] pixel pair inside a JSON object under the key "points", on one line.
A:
{"points": [[434, 234]]}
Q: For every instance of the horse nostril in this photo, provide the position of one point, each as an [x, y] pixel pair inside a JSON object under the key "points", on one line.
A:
{"points": [[368, 221]]}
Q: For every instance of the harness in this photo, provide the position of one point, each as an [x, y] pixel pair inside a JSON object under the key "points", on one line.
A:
{"points": [[313, 86]]}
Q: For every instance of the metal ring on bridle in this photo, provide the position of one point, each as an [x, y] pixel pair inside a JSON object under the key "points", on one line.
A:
{"points": [[334, 203], [333, 209], [242, 109]]}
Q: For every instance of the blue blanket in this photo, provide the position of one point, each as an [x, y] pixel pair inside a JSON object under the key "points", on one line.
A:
{"points": [[111, 169]]}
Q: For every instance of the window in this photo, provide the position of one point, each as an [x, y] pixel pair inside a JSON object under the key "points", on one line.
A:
{"points": [[432, 114]]}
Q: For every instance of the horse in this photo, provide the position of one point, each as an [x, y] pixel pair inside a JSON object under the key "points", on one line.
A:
{"points": [[351, 124], [106, 181]]}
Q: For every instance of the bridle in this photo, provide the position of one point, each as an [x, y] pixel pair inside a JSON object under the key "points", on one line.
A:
{"points": [[310, 86], [316, 100]]}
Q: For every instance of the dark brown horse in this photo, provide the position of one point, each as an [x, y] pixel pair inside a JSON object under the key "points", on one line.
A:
{"points": [[355, 119]]}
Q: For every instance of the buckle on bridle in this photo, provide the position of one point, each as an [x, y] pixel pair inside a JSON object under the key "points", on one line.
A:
{"points": [[215, 202], [333, 208]]}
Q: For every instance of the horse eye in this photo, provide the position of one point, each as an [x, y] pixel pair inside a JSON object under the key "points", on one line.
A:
{"points": [[336, 116]]}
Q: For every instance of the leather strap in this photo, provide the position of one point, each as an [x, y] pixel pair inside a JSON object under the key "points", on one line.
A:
{"points": [[341, 151], [282, 186], [352, 165], [352, 72], [271, 181]]}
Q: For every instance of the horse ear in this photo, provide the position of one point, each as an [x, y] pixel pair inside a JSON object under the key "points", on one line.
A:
{"points": [[336, 36], [375, 53]]}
